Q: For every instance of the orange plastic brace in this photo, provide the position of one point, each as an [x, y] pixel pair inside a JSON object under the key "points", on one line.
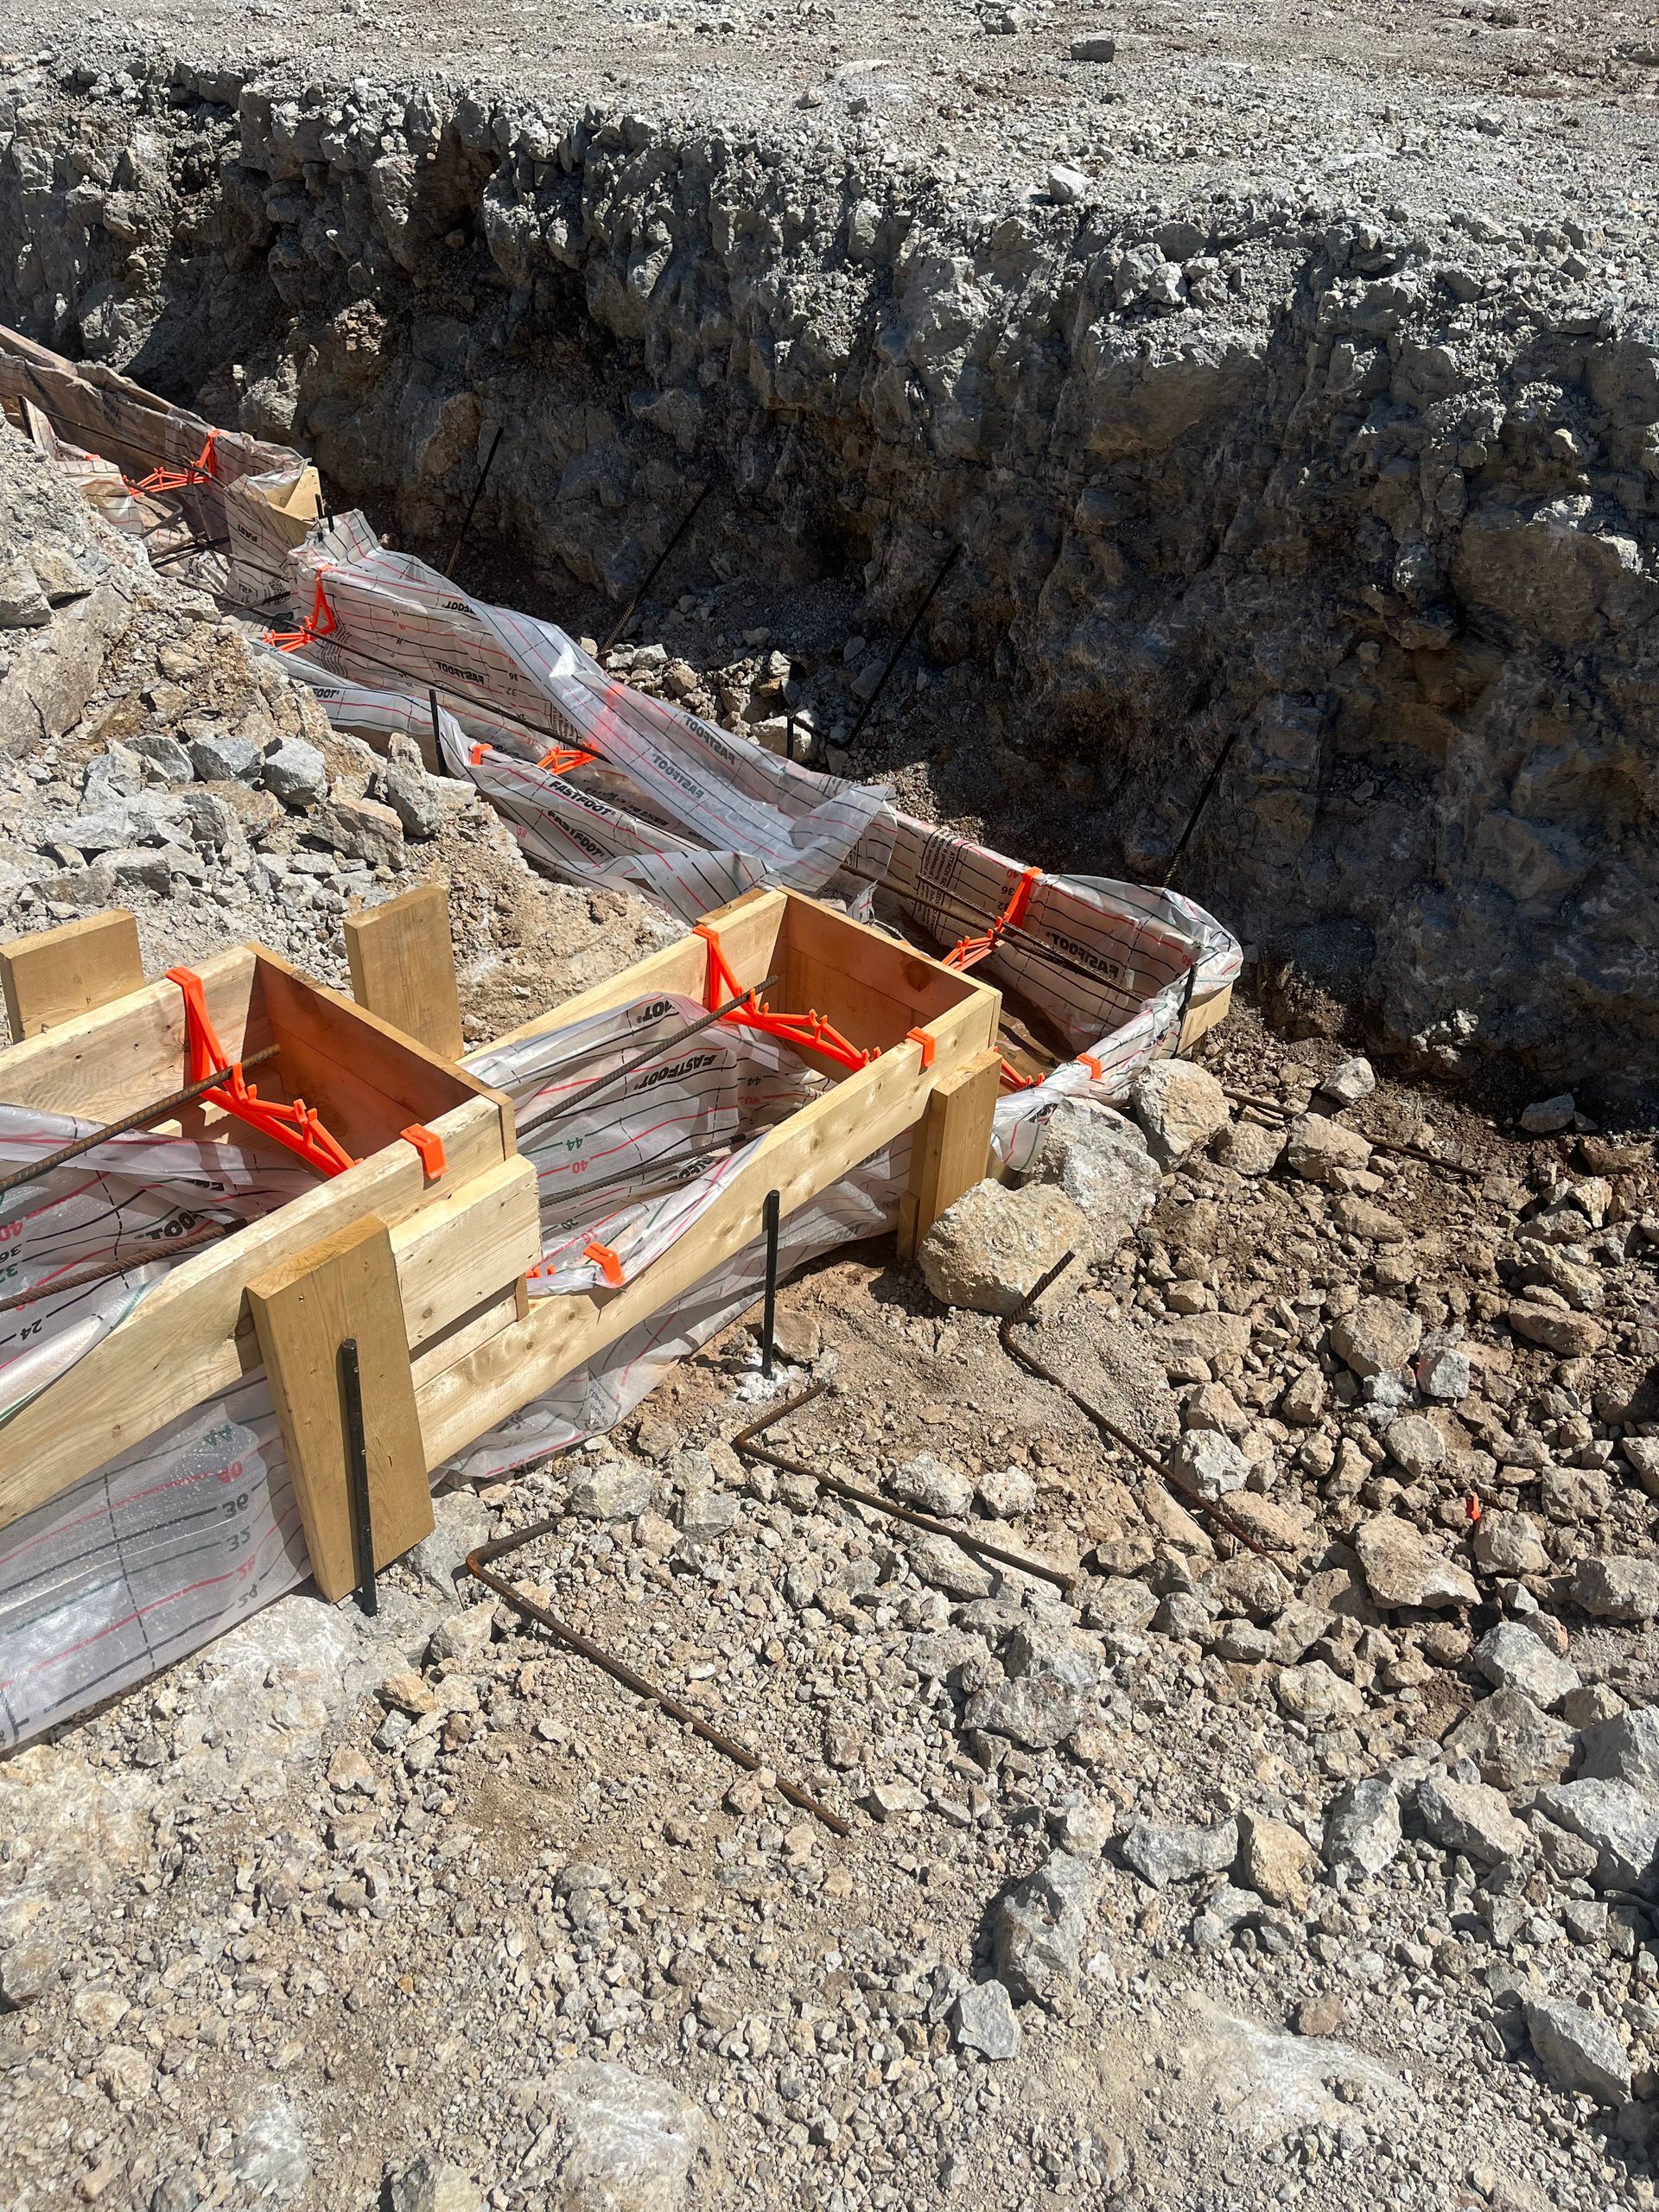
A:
{"points": [[968, 952], [320, 623], [204, 469], [297, 1127], [808, 1032], [559, 760]]}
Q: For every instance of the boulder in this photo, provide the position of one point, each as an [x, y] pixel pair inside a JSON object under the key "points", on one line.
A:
{"points": [[1179, 1106], [982, 2018], [1512, 1657], [1579, 2050], [1362, 1826], [1206, 1462], [1472, 1818], [1100, 1159], [1349, 1082], [1315, 1694], [1403, 1567], [1617, 1589], [614, 1491], [1621, 1822], [1571, 1335], [296, 773], [629, 2138], [1515, 1745], [1038, 1927], [1378, 1337], [1625, 1749], [995, 1245], [1162, 1855], [1416, 1444], [932, 1486], [1322, 1151], [1509, 1543], [1275, 1860]]}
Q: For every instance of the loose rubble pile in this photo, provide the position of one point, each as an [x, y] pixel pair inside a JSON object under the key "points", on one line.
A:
{"points": [[155, 756]]}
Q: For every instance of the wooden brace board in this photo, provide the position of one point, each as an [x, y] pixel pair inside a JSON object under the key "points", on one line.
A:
{"points": [[403, 968], [52, 976], [345, 1286]]}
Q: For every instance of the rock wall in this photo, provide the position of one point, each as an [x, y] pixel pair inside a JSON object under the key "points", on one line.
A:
{"points": [[1367, 502]]}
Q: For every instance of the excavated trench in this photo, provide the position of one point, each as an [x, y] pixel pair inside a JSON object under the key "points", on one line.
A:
{"points": [[1356, 519]]}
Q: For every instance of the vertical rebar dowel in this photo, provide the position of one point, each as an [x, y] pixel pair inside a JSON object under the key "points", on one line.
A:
{"points": [[356, 1475], [897, 655], [478, 494], [1186, 1003], [653, 572], [771, 1214], [437, 732], [1202, 801]]}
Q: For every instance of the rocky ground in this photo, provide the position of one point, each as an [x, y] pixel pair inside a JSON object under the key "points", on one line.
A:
{"points": [[1301, 1851]]}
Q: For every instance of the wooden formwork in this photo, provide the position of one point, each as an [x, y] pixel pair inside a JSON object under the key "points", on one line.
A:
{"points": [[427, 1273]]}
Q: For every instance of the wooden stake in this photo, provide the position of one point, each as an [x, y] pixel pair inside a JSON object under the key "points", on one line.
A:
{"points": [[342, 1288], [950, 1146], [403, 969], [57, 974]]}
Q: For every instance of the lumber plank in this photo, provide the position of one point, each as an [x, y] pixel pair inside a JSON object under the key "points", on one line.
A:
{"points": [[375, 1080], [749, 930], [799, 1158], [104, 1063], [56, 974], [1205, 1014], [404, 967], [873, 987], [344, 1286], [469, 1246], [181, 1342], [951, 1146]]}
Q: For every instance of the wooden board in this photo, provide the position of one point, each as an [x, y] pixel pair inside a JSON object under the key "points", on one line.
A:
{"points": [[404, 967], [344, 1287], [799, 1158], [951, 1148], [56, 974], [181, 1342]]}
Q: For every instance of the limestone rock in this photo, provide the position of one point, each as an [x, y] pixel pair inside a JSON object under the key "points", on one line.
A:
{"points": [[1416, 1444], [1470, 1817], [1100, 1162], [630, 2139], [1515, 1745], [1509, 1543], [996, 1244], [1512, 1657], [1373, 1224], [1378, 1337], [1579, 2050], [1623, 1749], [1249, 1147], [1617, 1589], [22, 603], [1275, 1860], [614, 1491], [1621, 1822], [931, 1486], [1322, 1151], [1318, 1696], [1038, 1927], [1402, 1567], [1350, 1081], [430, 2185], [1362, 1826], [296, 773], [1642, 1453], [1545, 1117], [1163, 1855], [1571, 1335], [983, 2018], [1007, 1492], [1179, 1106], [1207, 1463]]}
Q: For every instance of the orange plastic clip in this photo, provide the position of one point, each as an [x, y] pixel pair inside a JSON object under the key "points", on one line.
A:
{"points": [[1088, 1061], [477, 754], [608, 1263], [429, 1145], [928, 1044]]}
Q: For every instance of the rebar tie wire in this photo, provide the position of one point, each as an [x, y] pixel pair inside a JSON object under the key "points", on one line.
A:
{"points": [[477, 1566]]}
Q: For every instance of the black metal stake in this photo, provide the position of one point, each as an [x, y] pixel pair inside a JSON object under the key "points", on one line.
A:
{"points": [[478, 494], [898, 651], [653, 572], [437, 734], [356, 1475], [771, 1213]]}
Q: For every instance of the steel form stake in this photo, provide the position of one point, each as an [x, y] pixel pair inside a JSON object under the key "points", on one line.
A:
{"points": [[771, 1214], [356, 1475]]}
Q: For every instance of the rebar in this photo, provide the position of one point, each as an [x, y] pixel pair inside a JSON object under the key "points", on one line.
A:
{"points": [[472, 505], [746, 1447], [897, 654], [1104, 1421], [585, 1647], [669, 1044], [654, 571], [166, 1247], [140, 1119]]}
